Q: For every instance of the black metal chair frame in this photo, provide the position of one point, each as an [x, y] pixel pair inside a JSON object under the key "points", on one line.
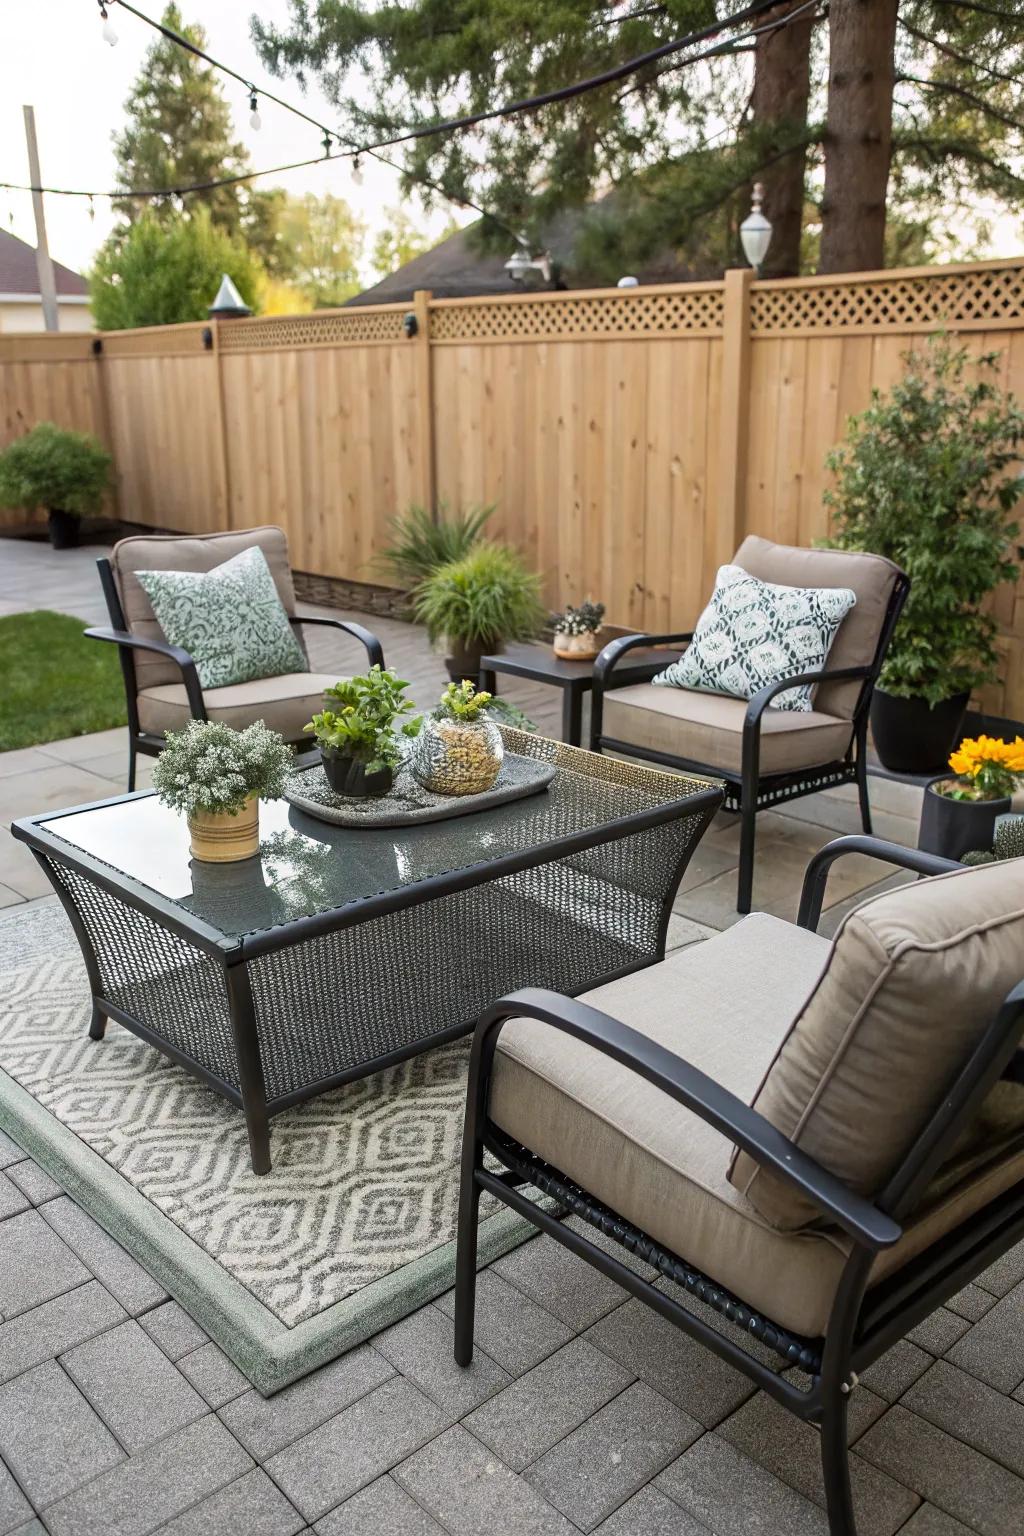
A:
{"points": [[863, 1323], [120, 635], [750, 791]]}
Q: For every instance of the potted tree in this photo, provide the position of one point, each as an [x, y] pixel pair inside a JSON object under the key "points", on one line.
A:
{"points": [[65, 472], [959, 815], [477, 603], [215, 777], [357, 736], [928, 476]]}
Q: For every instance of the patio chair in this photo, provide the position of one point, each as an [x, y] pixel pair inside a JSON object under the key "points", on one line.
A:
{"points": [[161, 684], [766, 756], [819, 1141]]}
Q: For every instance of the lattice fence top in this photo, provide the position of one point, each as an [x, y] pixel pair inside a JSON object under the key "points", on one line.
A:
{"points": [[355, 326], [977, 297], [574, 317]]}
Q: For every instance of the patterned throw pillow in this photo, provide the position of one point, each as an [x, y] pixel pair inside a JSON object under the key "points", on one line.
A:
{"points": [[230, 620], [753, 633]]}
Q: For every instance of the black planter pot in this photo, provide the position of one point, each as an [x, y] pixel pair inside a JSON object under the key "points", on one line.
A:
{"points": [[466, 662], [63, 528], [348, 776], [952, 828], [912, 737]]}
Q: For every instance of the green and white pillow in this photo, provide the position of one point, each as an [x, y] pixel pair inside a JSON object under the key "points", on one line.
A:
{"points": [[754, 632], [230, 620]]}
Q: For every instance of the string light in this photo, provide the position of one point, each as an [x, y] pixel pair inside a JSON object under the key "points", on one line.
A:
{"points": [[326, 142], [357, 171], [108, 34], [255, 121]]}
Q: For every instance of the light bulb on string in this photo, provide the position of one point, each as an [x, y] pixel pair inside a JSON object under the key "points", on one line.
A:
{"points": [[92, 210], [255, 121], [108, 34], [357, 172], [326, 142]]}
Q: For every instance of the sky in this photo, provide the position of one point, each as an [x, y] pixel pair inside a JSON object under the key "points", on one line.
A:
{"points": [[52, 55]]}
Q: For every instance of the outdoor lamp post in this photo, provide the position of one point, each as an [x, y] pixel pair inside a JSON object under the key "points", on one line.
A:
{"points": [[229, 304], [755, 231]]}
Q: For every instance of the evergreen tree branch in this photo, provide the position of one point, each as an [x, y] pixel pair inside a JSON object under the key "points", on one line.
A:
{"points": [[949, 89]]}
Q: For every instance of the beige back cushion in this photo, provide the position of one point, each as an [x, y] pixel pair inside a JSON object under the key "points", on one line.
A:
{"points": [[913, 979], [870, 576], [169, 552]]}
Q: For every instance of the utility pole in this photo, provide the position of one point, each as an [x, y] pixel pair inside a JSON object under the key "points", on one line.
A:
{"points": [[47, 286]]}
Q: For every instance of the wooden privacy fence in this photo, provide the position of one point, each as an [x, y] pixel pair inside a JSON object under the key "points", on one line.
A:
{"points": [[629, 438]]}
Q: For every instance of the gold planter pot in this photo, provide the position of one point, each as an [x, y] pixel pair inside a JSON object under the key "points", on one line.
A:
{"points": [[220, 838]]}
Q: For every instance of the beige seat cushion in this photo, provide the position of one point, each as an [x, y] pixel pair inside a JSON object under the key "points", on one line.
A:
{"points": [[914, 977], [171, 552], [707, 728], [872, 578], [284, 703], [663, 1168]]}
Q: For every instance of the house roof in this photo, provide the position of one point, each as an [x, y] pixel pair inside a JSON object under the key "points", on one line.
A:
{"points": [[18, 271]]}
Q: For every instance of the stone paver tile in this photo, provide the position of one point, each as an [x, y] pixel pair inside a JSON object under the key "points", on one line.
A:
{"points": [[705, 863], [509, 1327], [896, 1370], [12, 1199], [733, 1496], [532, 1414], [421, 1346], [994, 1347], [22, 874], [939, 1332], [35, 1264], [650, 1513], [968, 1409], [133, 1386], [83, 749], [683, 931], [609, 1245], [946, 1472], [791, 1450], [972, 1303], [15, 1509], [999, 1278], [49, 1436], [213, 1375], [616, 1452], [266, 1425], [34, 1182], [10, 897], [353, 1448], [148, 1490], [472, 1493], [23, 760], [126, 1279], [573, 1290], [10, 1152], [57, 1325], [929, 1521], [170, 1326], [382, 1508], [48, 789], [252, 1506], [671, 1362]]}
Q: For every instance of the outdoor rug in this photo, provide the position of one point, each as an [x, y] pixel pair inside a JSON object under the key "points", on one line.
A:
{"points": [[352, 1229]]}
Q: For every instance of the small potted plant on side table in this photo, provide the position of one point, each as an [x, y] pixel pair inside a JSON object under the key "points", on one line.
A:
{"points": [[959, 815], [460, 749], [215, 776], [65, 472], [356, 733], [477, 603], [578, 634]]}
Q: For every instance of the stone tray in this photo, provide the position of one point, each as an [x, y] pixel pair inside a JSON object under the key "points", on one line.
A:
{"points": [[407, 801]]}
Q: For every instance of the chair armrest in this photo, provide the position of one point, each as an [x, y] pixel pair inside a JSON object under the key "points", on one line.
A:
{"points": [[700, 1094], [181, 659], [760, 701], [617, 648], [366, 637], [816, 873]]}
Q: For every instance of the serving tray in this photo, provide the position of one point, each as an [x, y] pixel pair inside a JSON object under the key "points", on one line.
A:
{"points": [[407, 801]]}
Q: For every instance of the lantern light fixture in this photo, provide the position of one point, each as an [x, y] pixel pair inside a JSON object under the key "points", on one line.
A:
{"points": [[756, 231]]}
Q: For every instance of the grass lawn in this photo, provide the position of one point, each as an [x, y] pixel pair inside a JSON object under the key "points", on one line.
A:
{"points": [[55, 682]]}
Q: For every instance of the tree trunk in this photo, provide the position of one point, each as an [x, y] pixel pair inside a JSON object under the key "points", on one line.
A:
{"points": [[858, 134], [781, 88]]}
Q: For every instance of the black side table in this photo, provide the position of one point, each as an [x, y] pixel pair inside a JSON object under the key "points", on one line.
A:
{"points": [[539, 663]]}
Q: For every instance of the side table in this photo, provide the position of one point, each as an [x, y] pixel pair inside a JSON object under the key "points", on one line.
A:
{"points": [[575, 678]]}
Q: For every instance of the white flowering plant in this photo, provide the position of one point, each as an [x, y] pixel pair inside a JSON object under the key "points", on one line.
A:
{"points": [[211, 768], [584, 620]]}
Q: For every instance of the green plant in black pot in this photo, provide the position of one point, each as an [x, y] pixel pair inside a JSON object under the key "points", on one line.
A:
{"points": [[65, 472], [358, 733], [928, 477], [477, 603]]}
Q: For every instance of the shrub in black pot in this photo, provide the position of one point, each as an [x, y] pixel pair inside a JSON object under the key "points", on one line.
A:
{"points": [[358, 732], [65, 472], [927, 476], [959, 814]]}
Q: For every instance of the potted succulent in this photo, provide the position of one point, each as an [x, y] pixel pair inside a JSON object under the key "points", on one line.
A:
{"points": [[477, 603], [578, 632], [460, 749], [1008, 843], [357, 735], [928, 475], [65, 472], [215, 777], [959, 815]]}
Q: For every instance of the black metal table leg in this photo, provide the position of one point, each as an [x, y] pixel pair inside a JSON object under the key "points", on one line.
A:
{"points": [[250, 1067], [572, 714]]}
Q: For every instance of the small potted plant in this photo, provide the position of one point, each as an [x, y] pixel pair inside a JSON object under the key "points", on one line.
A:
{"points": [[65, 472], [578, 632], [460, 749], [215, 777], [357, 735], [477, 603], [959, 815]]}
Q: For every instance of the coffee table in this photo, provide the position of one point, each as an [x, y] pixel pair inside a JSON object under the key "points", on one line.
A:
{"points": [[337, 951], [575, 678]]}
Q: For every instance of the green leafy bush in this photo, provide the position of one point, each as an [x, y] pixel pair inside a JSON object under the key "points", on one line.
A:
{"points": [[488, 596], [463, 701], [158, 273], [927, 476], [419, 543], [210, 767], [362, 725], [53, 468]]}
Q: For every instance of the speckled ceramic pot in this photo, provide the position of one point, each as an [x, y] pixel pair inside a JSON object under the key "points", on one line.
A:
{"points": [[457, 757]]}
